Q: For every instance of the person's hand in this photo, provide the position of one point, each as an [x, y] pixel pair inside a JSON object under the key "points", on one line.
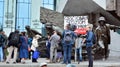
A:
{"points": [[84, 40], [5, 47]]}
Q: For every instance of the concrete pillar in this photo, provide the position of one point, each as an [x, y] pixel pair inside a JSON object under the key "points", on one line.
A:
{"points": [[35, 15], [9, 16]]}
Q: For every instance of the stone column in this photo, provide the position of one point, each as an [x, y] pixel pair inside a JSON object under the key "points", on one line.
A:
{"points": [[9, 16], [35, 15]]}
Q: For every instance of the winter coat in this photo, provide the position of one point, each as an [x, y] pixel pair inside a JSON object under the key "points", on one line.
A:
{"points": [[35, 42]]}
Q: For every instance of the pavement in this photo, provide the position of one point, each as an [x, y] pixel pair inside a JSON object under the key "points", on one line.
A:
{"points": [[111, 62]]}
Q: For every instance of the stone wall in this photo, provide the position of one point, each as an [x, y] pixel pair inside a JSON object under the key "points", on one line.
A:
{"points": [[51, 16], [118, 7]]}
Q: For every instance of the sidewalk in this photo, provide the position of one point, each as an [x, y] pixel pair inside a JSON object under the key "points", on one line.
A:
{"points": [[111, 62]]}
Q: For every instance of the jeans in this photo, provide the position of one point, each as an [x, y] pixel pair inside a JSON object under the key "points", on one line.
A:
{"points": [[89, 49], [48, 52], [1, 53], [67, 53], [79, 53]]}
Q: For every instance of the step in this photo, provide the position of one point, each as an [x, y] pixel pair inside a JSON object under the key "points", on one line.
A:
{"points": [[82, 64]]}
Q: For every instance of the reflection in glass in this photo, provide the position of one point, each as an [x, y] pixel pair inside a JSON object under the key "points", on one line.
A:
{"points": [[23, 14], [23, 10], [48, 4], [1, 9]]}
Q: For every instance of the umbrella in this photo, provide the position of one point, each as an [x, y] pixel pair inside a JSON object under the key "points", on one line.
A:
{"points": [[81, 31]]}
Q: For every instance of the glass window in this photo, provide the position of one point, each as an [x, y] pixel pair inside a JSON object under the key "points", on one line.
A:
{"points": [[29, 10], [21, 24], [45, 1], [17, 11], [1, 0], [18, 24], [23, 10], [1, 20], [26, 22], [20, 0], [1, 9], [51, 1], [23, 14], [27, 1], [1, 23], [49, 6]]}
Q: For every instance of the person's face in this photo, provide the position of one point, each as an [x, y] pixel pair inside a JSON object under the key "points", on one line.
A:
{"points": [[3, 33], [48, 36], [87, 28], [101, 22]]}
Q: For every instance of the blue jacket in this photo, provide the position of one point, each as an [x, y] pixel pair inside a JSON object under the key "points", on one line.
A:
{"points": [[73, 37], [89, 39]]}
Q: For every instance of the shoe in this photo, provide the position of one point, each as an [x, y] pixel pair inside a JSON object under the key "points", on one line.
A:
{"points": [[14, 62], [23, 62], [50, 62], [63, 63], [7, 62], [103, 59], [34, 61]]}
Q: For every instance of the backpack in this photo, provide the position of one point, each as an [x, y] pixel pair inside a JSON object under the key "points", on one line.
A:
{"points": [[1, 40], [68, 36], [14, 39]]}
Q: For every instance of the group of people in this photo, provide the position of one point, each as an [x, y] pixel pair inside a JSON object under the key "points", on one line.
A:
{"points": [[68, 39], [100, 35], [20, 43], [18, 46], [79, 41]]}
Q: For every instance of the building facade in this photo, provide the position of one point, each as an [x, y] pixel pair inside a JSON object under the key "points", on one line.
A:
{"points": [[16, 14]]}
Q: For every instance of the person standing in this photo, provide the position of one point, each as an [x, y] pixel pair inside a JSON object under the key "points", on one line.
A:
{"points": [[48, 46], [4, 45], [23, 54], [89, 42], [78, 46], [54, 40], [13, 45], [29, 49], [35, 52], [68, 42], [2, 40]]}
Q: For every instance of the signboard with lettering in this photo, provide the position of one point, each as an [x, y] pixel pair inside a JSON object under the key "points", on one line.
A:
{"points": [[111, 5], [78, 21]]}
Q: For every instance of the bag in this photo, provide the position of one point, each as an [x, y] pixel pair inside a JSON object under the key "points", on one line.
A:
{"points": [[36, 54], [15, 38], [57, 39], [1, 40], [68, 36], [94, 38]]}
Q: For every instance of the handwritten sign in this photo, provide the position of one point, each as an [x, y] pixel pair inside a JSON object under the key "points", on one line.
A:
{"points": [[79, 21]]}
